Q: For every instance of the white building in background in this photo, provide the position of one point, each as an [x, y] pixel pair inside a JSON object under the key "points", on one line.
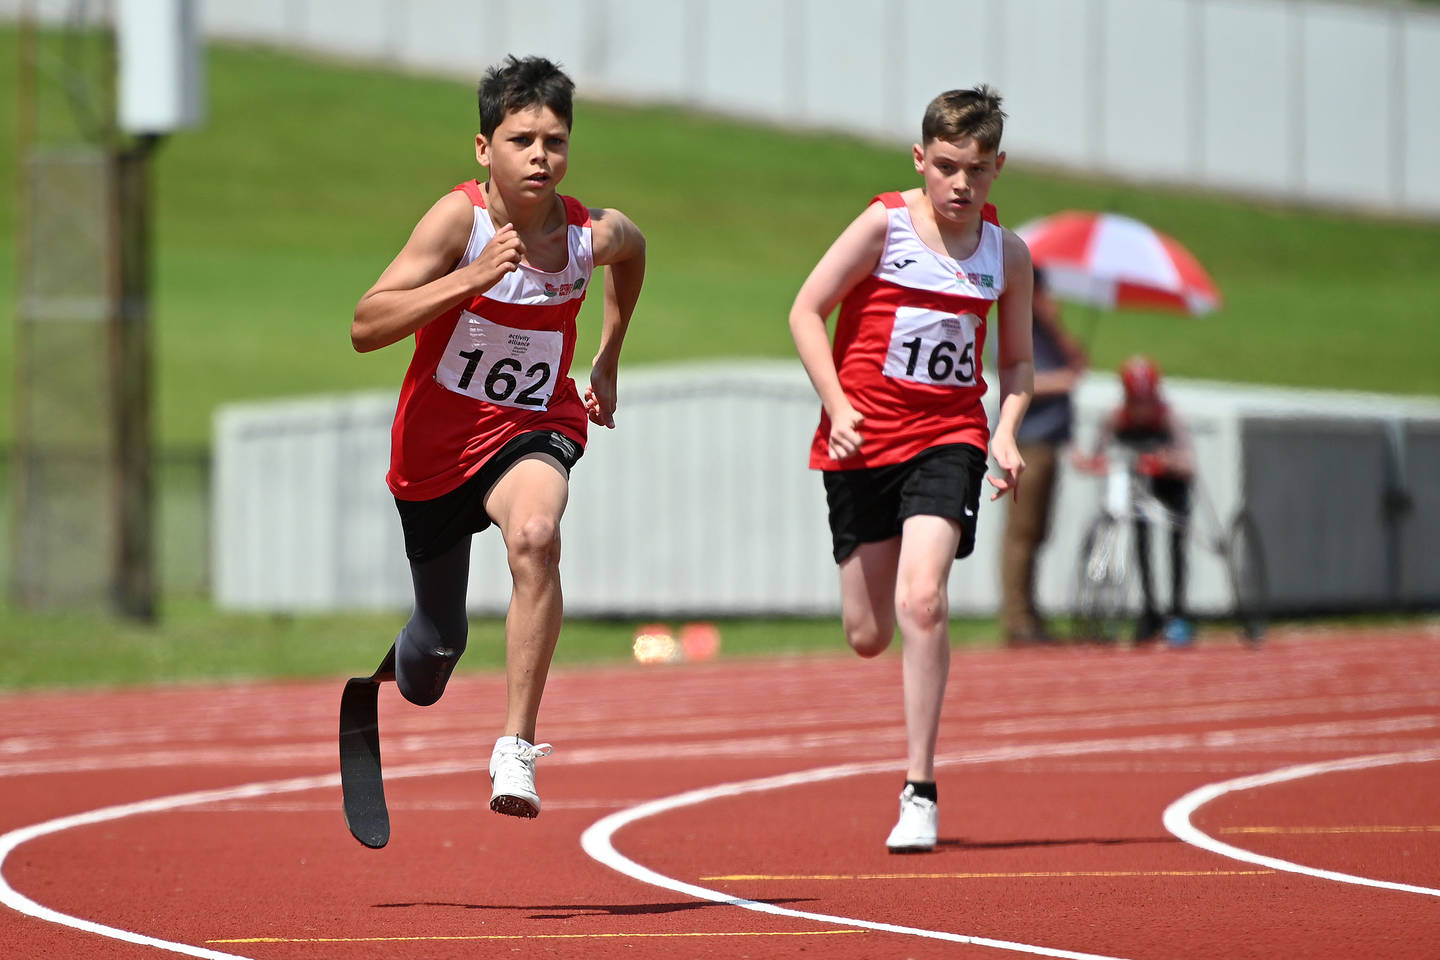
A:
{"points": [[1238, 95], [701, 502]]}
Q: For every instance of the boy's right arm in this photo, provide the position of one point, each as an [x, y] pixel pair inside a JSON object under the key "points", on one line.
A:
{"points": [[420, 285], [849, 260], [1095, 461]]}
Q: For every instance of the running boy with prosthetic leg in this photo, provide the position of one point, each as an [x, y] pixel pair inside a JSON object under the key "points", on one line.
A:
{"points": [[489, 422], [902, 435]]}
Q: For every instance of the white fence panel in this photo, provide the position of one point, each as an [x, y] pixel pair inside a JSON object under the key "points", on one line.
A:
{"points": [[1230, 94], [650, 47], [270, 21], [458, 39], [560, 29], [352, 28], [701, 499], [748, 61], [849, 72], [1249, 97], [300, 521], [1148, 88], [1040, 58], [926, 61], [699, 502], [1347, 83], [1420, 123]]}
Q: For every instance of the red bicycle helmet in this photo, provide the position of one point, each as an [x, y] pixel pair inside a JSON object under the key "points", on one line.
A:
{"points": [[1141, 378]]}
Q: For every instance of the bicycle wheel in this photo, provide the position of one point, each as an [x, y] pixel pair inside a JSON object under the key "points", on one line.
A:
{"points": [[1249, 584], [1100, 583]]}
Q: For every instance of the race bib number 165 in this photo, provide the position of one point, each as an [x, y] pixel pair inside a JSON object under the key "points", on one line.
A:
{"points": [[929, 346], [503, 365]]}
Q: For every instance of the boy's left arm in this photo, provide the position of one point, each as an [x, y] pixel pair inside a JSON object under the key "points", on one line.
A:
{"points": [[1016, 355], [619, 246]]}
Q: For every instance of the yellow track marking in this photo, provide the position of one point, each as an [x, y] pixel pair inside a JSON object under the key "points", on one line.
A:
{"points": [[1375, 828], [540, 936], [991, 876]]}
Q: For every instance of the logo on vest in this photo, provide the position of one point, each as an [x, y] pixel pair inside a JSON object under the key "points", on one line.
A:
{"points": [[565, 289], [976, 279]]}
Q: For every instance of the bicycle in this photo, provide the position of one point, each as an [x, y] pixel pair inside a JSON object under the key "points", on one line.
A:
{"points": [[1102, 587]]}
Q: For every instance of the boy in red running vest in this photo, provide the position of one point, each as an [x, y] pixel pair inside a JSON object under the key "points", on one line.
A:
{"points": [[902, 436], [489, 422]]}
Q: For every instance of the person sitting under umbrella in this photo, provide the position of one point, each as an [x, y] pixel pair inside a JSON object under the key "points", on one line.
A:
{"points": [[1145, 424]]}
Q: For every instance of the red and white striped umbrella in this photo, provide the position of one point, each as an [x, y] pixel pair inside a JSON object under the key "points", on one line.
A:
{"points": [[1111, 261]]}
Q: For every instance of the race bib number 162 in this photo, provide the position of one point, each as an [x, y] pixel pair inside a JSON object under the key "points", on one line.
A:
{"points": [[503, 365], [929, 346]]}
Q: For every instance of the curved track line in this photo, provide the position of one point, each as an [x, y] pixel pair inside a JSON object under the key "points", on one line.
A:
{"points": [[17, 901], [1177, 815], [597, 838], [597, 842]]}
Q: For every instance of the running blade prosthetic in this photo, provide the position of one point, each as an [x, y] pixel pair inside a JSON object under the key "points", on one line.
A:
{"points": [[361, 783]]}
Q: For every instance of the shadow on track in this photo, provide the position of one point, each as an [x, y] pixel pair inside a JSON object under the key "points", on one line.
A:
{"points": [[962, 844], [568, 911]]}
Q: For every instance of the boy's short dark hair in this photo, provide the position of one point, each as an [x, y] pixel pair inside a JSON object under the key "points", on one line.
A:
{"points": [[958, 114], [519, 83]]}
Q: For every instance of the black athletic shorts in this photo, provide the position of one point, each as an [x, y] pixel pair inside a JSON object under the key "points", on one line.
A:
{"points": [[434, 526], [870, 504]]}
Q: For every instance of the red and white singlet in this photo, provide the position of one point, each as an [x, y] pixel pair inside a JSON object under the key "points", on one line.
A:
{"points": [[493, 367], [908, 343]]}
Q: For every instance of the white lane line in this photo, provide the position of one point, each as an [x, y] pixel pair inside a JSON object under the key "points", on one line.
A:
{"points": [[598, 839], [17, 901], [1211, 713], [1178, 814], [598, 842], [794, 744]]}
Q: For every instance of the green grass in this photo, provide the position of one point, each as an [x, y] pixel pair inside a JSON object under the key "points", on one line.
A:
{"points": [[193, 643], [273, 218]]}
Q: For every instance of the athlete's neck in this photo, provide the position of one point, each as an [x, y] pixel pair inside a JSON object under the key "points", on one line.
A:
{"points": [[536, 215], [958, 238]]}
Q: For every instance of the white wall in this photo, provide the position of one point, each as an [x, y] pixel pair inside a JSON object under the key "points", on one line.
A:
{"points": [[1275, 97], [701, 501]]}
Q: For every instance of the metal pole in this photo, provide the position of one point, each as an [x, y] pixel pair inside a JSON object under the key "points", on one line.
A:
{"points": [[134, 578]]}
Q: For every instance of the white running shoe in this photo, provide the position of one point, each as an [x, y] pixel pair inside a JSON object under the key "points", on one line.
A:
{"points": [[512, 777], [918, 826]]}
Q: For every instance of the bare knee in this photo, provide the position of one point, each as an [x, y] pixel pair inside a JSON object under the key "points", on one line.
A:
{"points": [[923, 608], [534, 545], [868, 638]]}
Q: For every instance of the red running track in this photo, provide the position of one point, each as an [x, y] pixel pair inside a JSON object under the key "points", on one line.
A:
{"points": [[711, 793]]}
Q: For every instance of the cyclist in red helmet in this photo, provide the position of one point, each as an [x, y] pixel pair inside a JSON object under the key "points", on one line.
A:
{"points": [[1141, 379], [1145, 424]]}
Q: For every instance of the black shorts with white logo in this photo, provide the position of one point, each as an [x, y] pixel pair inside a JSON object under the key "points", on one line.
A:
{"points": [[434, 526], [870, 504]]}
